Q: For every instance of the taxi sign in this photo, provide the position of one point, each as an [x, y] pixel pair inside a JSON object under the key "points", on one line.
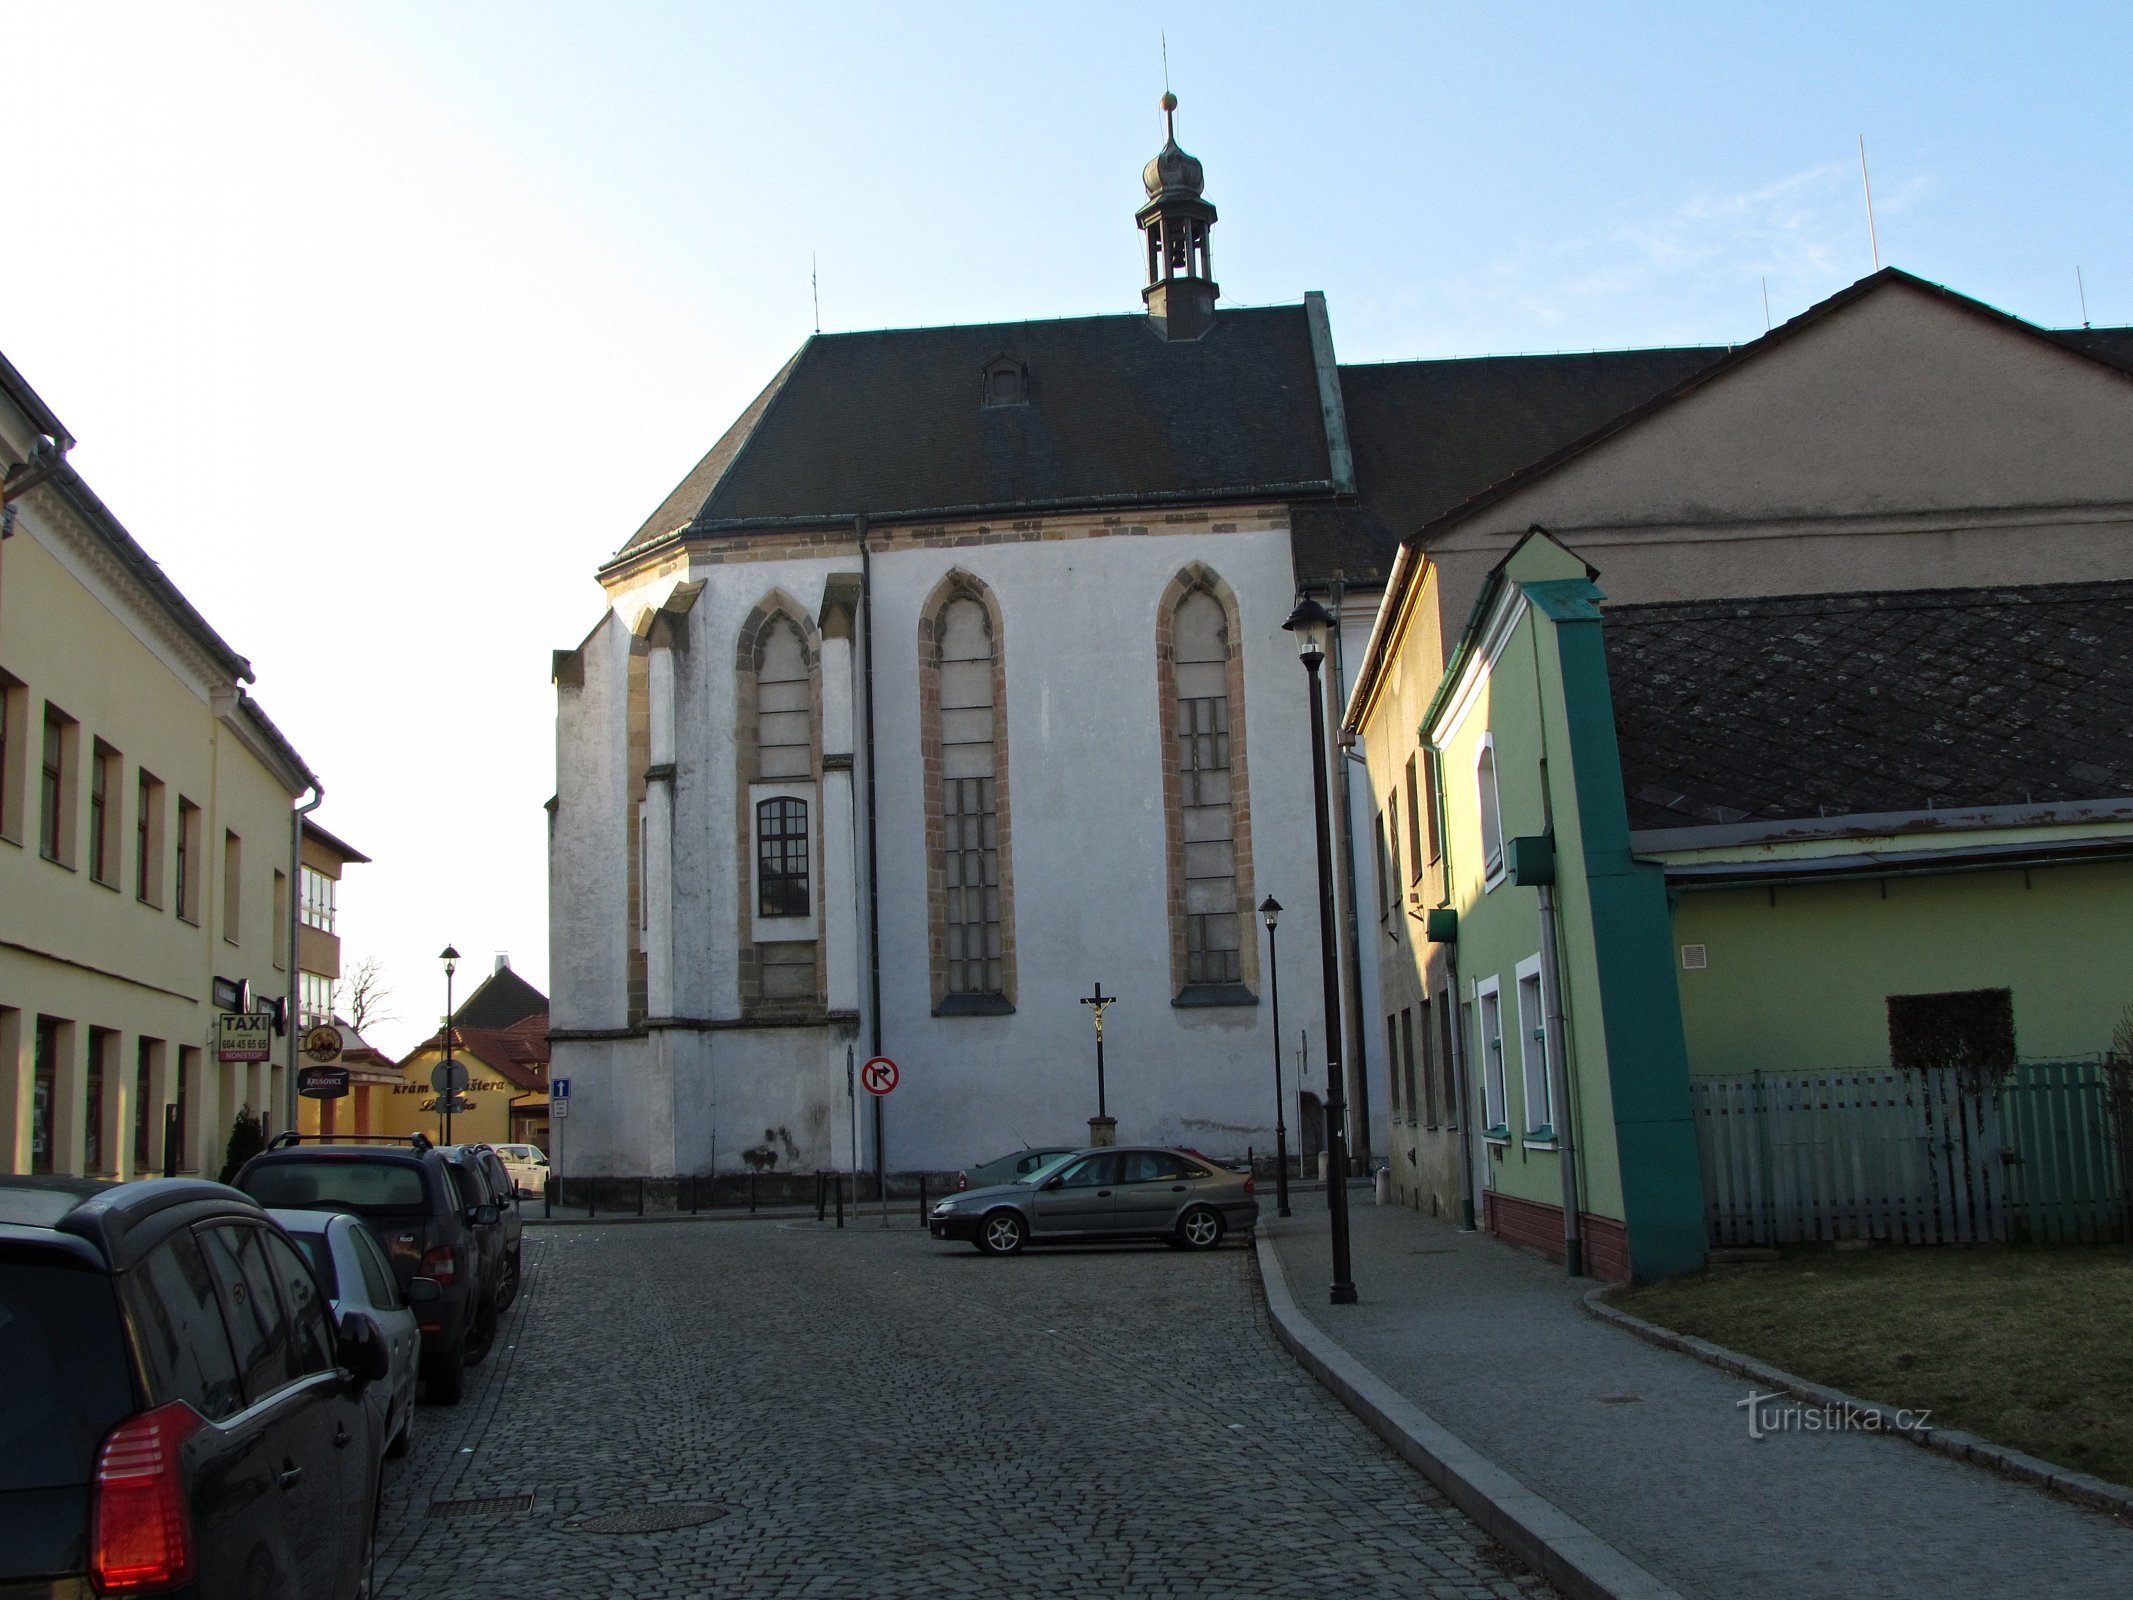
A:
{"points": [[245, 1036]]}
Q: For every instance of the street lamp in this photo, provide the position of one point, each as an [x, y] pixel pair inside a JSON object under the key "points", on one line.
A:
{"points": [[1309, 622], [1270, 909], [450, 958]]}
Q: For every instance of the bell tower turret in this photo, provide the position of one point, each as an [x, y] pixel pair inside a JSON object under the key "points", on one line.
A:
{"points": [[1181, 290]]}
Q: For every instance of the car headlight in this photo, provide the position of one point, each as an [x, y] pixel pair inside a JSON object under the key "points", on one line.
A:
{"points": [[944, 1208]]}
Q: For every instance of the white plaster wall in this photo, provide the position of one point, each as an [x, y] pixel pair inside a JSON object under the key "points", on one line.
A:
{"points": [[588, 904], [1078, 632]]}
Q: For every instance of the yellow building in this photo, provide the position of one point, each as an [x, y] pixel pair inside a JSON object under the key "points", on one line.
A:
{"points": [[147, 839], [507, 1087]]}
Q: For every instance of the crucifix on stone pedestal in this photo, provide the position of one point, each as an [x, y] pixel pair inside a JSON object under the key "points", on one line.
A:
{"points": [[1103, 1128]]}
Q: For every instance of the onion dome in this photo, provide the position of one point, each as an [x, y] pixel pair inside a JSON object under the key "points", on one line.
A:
{"points": [[1172, 173]]}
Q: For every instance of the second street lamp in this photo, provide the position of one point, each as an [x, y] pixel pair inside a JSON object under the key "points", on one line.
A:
{"points": [[1309, 622], [1270, 909], [449, 1094]]}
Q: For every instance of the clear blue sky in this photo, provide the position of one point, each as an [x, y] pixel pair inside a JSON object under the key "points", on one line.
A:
{"points": [[382, 324]]}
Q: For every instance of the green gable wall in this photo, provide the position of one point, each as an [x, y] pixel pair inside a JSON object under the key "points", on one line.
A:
{"points": [[1800, 975]]}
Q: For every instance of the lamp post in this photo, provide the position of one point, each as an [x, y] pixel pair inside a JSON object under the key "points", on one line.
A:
{"points": [[1270, 909], [450, 958], [1309, 622]]}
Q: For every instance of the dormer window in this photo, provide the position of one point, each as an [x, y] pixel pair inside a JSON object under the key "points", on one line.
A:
{"points": [[1006, 382]]}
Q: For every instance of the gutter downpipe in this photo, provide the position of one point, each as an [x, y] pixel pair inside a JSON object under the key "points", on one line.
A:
{"points": [[1358, 1057], [296, 923], [1470, 1122], [866, 606]]}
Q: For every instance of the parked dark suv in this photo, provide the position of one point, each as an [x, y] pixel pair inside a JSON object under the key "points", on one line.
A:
{"points": [[409, 1194], [182, 1417], [479, 1172]]}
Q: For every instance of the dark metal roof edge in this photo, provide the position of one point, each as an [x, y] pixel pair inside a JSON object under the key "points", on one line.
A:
{"points": [[1895, 863], [1239, 495], [31, 404], [1802, 830], [70, 484], [278, 742], [333, 841]]}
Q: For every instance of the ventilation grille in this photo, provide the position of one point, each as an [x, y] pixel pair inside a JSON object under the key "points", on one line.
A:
{"points": [[1694, 958]]}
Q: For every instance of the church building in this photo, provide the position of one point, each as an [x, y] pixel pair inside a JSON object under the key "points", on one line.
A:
{"points": [[950, 689]]}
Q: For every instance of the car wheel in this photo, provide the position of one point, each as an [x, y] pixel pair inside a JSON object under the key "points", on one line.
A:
{"points": [[1003, 1233], [1200, 1229], [444, 1375], [507, 1291]]}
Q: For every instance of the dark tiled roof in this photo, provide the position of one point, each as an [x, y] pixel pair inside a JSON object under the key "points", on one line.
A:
{"points": [[1804, 706], [1428, 435], [2114, 345], [519, 1052], [499, 1000], [892, 423]]}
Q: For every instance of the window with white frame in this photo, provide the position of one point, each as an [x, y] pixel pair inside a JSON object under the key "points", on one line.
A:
{"points": [[314, 999], [1488, 1007], [318, 892], [1490, 809], [1533, 1044]]}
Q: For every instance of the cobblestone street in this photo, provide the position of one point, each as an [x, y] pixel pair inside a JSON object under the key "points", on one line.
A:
{"points": [[727, 1408]]}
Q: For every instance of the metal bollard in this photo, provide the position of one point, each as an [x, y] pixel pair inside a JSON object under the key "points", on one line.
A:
{"points": [[640, 1197], [838, 1181], [821, 1194], [592, 1197], [921, 1199], [547, 1198]]}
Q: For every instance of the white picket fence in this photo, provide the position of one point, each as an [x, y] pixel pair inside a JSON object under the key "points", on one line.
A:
{"points": [[1907, 1157]]}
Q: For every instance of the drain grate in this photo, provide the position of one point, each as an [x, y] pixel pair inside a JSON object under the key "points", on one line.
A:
{"points": [[649, 1519], [495, 1505]]}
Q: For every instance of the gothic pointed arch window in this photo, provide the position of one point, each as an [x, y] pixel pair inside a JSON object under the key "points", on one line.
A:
{"points": [[963, 740], [778, 723], [1207, 812]]}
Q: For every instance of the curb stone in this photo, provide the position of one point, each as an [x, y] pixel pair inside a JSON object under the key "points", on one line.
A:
{"points": [[1561, 1549], [2080, 1487]]}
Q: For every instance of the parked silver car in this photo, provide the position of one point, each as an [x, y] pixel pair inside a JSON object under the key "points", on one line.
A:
{"points": [[1139, 1192], [357, 1275]]}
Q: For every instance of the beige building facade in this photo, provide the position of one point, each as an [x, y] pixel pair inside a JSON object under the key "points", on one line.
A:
{"points": [[146, 840]]}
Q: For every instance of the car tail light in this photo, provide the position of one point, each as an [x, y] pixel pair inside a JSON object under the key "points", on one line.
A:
{"points": [[1251, 1185], [140, 1524], [962, 1180], [439, 1264]]}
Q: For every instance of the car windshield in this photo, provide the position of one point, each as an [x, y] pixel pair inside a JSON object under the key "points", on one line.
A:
{"points": [[338, 1183], [1047, 1167], [67, 1379]]}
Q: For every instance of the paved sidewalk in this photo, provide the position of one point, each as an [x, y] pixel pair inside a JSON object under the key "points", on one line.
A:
{"points": [[1650, 1449]]}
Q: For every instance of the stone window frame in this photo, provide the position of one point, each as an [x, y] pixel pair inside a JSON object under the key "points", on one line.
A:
{"points": [[747, 659], [1198, 577], [959, 584]]}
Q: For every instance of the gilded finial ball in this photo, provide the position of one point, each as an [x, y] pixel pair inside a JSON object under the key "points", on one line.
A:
{"points": [[1170, 101]]}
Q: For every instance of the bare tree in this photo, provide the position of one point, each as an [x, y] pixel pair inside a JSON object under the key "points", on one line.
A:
{"points": [[362, 997]]}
